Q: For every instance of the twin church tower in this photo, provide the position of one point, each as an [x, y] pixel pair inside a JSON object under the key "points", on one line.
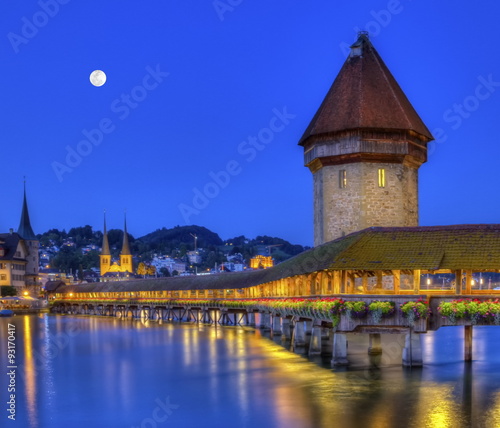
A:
{"points": [[106, 263], [364, 147]]}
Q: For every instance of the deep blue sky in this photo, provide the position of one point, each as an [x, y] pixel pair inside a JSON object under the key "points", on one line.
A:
{"points": [[227, 71]]}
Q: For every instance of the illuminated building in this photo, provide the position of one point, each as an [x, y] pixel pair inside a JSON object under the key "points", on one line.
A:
{"points": [[116, 270], [19, 254], [261, 262]]}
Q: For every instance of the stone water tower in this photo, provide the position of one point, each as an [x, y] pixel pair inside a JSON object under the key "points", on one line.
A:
{"points": [[364, 147]]}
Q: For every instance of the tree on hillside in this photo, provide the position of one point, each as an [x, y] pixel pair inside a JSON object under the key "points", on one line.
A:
{"points": [[67, 259], [91, 260], [164, 271]]}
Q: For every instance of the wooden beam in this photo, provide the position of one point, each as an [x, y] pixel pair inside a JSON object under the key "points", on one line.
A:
{"points": [[343, 281], [416, 280], [458, 281], [379, 280], [468, 282], [364, 282], [397, 281], [468, 343]]}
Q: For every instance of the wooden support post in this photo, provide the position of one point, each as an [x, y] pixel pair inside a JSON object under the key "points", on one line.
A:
{"points": [[468, 282], [416, 281], [467, 343], [364, 282], [343, 281], [458, 281], [397, 281], [350, 278], [379, 285]]}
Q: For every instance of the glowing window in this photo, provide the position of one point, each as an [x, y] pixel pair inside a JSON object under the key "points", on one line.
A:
{"points": [[381, 177], [342, 178]]}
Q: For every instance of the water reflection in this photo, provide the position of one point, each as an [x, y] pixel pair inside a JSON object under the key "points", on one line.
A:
{"points": [[102, 372]]}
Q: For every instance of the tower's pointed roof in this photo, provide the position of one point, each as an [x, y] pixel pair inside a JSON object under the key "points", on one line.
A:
{"points": [[25, 229], [125, 246], [365, 95], [105, 243]]}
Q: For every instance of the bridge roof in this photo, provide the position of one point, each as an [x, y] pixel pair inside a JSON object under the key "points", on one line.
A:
{"points": [[474, 247]]}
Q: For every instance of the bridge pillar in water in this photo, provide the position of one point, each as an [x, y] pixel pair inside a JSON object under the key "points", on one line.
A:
{"points": [[375, 347], [299, 337], [339, 352], [412, 352], [315, 343], [264, 321], [251, 319], [467, 343], [276, 326], [308, 327], [285, 329]]}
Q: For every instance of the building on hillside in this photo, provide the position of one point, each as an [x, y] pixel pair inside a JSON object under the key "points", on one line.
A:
{"points": [[19, 255], [261, 262], [124, 266], [194, 257], [364, 147], [169, 263]]}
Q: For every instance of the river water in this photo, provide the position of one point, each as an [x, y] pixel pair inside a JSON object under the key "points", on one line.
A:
{"points": [[100, 372]]}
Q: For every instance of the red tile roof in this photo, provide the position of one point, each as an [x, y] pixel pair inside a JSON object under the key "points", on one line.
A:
{"points": [[365, 95]]}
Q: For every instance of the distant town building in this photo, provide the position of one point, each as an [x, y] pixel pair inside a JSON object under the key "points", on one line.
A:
{"points": [[194, 257], [169, 263], [261, 262]]}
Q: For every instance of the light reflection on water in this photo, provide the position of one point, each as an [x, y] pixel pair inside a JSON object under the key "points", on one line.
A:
{"points": [[101, 372]]}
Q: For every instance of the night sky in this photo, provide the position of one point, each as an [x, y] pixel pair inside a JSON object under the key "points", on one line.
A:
{"points": [[192, 83]]}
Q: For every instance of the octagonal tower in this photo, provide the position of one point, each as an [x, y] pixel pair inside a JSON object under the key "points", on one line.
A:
{"points": [[364, 147]]}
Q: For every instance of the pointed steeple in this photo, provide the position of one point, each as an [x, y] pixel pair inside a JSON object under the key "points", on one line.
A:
{"points": [[125, 247], [25, 229], [105, 243], [364, 95]]}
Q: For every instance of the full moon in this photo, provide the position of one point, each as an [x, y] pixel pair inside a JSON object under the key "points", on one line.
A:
{"points": [[98, 78]]}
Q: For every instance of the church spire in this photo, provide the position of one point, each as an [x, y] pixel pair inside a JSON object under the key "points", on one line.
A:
{"points": [[25, 229], [105, 243], [125, 247]]}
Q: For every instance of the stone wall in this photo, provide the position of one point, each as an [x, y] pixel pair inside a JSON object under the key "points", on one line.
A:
{"points": [[362, 203]]}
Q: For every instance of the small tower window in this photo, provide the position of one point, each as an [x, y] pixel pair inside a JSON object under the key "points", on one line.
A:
{"points": [[342, 178], [381, 177]]}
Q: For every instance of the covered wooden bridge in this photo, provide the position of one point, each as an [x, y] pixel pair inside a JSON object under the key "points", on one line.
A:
{"points": [[397, 264]]}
